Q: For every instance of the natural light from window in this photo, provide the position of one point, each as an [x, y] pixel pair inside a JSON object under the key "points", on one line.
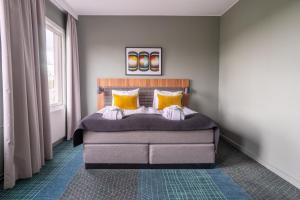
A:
{"points": [[55, 62]]}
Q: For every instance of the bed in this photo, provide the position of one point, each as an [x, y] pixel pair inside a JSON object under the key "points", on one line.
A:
{"points": [[146, 140]]}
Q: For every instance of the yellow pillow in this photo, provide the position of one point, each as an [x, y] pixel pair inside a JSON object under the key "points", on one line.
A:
{"points": [[166, 101], [125, 101]]}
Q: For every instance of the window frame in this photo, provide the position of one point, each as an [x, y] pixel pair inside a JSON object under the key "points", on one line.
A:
{"points": [[60, 75]]}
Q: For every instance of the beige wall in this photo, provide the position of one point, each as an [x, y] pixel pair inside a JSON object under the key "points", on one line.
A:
{"points": [[190, 50], [259, 89]]}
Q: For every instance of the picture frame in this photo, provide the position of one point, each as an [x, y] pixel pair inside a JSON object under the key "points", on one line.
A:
{"points": [[143, 61]]}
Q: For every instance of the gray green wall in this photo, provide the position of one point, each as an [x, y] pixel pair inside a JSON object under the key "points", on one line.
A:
{"points": [[259, 89], [190, 50], [56, 15]]}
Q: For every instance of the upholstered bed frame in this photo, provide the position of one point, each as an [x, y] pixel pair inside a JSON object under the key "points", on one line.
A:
{"points": [[134, 148]]}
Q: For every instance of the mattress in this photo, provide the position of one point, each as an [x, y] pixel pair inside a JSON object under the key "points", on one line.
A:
{"points": [[150, 137]]}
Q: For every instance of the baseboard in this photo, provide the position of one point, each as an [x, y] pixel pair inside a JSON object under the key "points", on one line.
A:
{"points": [[58, 141], [270, 167]]}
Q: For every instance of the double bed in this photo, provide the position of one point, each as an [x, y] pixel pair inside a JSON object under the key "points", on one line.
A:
{"points": [[146, 139]]}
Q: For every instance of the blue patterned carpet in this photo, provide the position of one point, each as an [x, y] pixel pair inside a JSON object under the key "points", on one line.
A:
{"points": [[53, 178], [189, 184], [65, 177]]}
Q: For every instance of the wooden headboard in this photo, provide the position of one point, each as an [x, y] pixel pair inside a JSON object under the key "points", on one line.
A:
{"points": [[127, 83]]}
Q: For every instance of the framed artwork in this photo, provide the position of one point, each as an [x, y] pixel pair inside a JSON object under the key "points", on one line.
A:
{"points": [[143, 61]]}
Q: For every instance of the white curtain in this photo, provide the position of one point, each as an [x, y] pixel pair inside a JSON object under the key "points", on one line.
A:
{"points": [[73, 82], [27, 138]]}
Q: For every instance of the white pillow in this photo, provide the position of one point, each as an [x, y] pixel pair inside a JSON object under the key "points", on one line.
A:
{"points": [[165, 93], [126, 93]]}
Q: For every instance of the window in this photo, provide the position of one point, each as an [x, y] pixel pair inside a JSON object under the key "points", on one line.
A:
{"points": [[55, 62]]}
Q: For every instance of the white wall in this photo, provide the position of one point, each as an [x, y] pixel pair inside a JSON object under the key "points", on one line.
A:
{"points": [[259, 87], [58, 124]]}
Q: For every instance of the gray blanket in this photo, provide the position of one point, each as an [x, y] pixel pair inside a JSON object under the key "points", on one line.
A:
{"points": [[143, 122]]}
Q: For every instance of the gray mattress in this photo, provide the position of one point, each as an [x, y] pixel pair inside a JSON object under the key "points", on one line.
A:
{"points": [[150, 137]]}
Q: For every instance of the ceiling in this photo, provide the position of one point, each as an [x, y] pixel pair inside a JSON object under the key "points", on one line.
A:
{"points": [[149, 7]]}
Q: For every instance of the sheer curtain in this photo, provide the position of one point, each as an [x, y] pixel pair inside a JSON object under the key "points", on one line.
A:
{"points": [[73, 82], [27, 138]]}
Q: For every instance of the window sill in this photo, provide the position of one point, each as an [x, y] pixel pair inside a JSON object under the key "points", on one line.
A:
{"points": [[54, 108]]}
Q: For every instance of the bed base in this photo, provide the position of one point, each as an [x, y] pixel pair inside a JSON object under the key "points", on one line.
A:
{"points": [[148, 155], [148, 166]]}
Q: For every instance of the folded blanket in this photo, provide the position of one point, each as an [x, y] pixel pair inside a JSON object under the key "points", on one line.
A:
{"points": [[173, 113], [111, 113]]}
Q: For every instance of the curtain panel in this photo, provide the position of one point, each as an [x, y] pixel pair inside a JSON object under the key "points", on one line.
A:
{"points": [[73, 81], [27, 137]]}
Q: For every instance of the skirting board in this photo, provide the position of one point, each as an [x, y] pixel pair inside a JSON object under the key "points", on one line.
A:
{"points": [[270, 167], [54, 144]]}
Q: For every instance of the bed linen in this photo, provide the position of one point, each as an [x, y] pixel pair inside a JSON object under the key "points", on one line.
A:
{"points": [[173, 113], [149, 110], [112, 113], [144, 122]]}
